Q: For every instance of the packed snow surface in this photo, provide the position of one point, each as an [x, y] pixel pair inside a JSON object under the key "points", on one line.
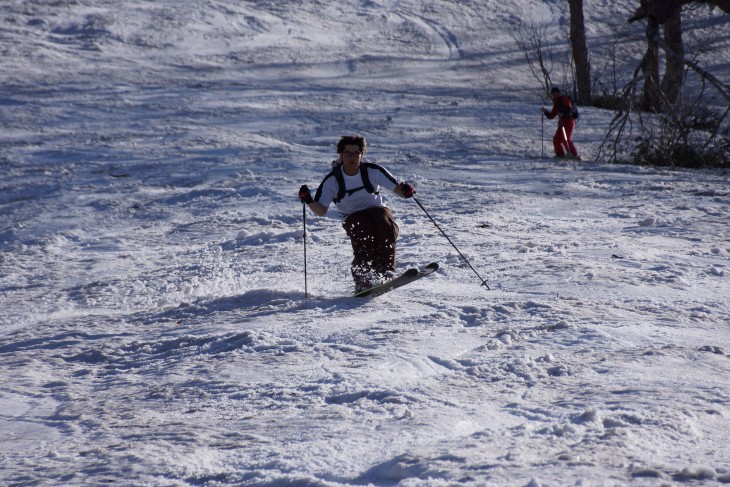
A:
{"points": [[154, 326]]}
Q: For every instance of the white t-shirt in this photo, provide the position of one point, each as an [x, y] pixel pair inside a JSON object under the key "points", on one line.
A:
{"points": [[356, 196]]}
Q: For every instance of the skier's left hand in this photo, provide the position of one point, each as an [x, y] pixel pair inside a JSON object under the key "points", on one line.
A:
{"points": [[406, 190]]}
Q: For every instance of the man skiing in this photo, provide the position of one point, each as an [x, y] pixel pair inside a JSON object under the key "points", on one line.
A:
{"points": [[567, 114], [354, 186]]}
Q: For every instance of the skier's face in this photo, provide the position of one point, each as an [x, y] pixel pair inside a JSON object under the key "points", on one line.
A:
{"points": [[351, 158]]}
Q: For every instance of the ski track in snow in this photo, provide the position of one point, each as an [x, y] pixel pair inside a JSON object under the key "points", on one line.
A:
{"points": [[153, 322]]}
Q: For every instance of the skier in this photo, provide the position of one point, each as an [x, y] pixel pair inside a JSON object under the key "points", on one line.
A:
{"points": [[354, 186], [567, 114]]}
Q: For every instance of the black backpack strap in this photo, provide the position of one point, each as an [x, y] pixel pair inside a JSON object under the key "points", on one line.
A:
{"points": [[367, 184], [576, 113], [337, 171], [376, 167], [366, 177], [340, 184]]}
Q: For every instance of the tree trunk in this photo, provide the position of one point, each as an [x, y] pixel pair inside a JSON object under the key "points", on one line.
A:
{"points": [[580, 52], [662, 10], [674, 70], [650, 98]]}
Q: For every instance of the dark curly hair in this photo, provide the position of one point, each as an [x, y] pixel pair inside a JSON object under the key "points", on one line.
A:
{"points": [[357, 140]]}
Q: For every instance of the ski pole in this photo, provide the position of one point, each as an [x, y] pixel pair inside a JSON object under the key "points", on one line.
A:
{"points": [[484, 283], [304, 239], [542, 135]]}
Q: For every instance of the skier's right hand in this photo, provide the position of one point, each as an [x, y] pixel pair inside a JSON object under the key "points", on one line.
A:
{"points": [[305, 196]]}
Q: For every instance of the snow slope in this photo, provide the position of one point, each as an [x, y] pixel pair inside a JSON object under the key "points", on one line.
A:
{"points": [[154, 328]]}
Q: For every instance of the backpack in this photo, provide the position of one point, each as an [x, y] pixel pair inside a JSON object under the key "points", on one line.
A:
{"points": [[568, 107], [576, 113], [367, 185]]}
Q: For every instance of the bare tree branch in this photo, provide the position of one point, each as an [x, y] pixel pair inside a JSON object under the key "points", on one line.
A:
{"points": [[533, 44]]}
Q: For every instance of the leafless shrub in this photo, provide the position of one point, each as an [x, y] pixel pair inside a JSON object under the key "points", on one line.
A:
{"points": [[532, 41], [684, 132]]}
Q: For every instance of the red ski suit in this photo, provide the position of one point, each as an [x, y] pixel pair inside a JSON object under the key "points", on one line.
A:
{"points": [[563, 109]]}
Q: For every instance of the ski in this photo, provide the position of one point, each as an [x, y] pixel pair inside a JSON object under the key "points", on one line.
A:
{"points": [[549, 158], [406, 278]]}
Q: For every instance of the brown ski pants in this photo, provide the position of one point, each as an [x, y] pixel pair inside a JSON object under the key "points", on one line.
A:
{"points": [[373, 233]]}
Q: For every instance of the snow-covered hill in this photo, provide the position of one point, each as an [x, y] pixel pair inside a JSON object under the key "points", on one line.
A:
{"points": [[154, 328]]}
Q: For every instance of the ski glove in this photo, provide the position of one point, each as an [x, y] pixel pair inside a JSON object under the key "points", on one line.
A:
{"points": [[407, 190], [305, 196]]}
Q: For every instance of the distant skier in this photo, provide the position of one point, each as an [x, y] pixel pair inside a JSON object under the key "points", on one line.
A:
{"points": [[567, 114], [354, 186]]}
